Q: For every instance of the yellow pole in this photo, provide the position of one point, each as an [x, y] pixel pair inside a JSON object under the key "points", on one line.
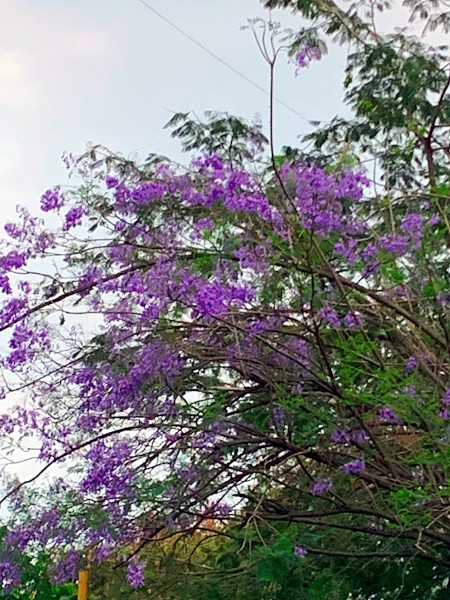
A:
{"points": [[83, 585]]}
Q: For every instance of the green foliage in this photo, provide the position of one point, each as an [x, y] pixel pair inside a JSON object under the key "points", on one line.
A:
{"points": [[36, 583], [258, 562], [218, 133]]}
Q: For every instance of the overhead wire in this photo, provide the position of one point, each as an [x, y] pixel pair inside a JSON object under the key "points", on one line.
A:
{"points": [[221, 60]]}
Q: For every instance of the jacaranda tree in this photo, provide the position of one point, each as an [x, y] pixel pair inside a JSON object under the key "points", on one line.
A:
{"points": [[256, 341]]}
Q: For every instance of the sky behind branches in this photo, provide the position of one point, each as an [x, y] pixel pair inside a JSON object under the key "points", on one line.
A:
{"points": [[111, 72]]}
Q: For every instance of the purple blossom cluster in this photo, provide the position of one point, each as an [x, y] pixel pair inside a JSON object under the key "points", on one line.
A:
{"points": [[354, 467], [135, 573], [209, 344], [67, 568], [278, 416], [215, 299], [9, 576], [73, 217], [108, 471], [354, 320], [300, 551], [360, 436], [306, 55], [52, 200], [412, 363], [319, 200], [322, 486], [395, 243], [25, 343], [329, 315], [340, 437], [344, 436], [445, 402], [387, 415], [412, 224]]}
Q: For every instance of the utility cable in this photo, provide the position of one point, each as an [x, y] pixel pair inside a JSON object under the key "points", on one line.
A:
{"points": [[218, 58]]}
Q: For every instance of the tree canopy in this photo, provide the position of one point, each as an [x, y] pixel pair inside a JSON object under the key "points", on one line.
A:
{"points": [[242, 363]]}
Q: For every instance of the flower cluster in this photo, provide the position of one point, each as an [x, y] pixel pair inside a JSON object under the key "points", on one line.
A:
{"points": [[135, 573], [209, 328], [306, 55]]}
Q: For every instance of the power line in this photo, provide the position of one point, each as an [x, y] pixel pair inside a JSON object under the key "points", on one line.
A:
{"points": [[218, 58]]}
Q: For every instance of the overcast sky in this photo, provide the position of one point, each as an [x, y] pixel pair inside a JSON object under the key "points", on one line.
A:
{"points": [[109, 71]]}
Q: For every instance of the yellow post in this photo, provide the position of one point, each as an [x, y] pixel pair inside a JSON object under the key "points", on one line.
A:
{"points": [[83, 585]]}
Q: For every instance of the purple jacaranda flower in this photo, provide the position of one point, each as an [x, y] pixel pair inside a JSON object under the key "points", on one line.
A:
{"points": [[329, 315], [205, 440], [297, 389], [371, 268], [307, 54], [446, 398], [369, 251], [351, 184], [5, 285], [434, 220], [188, 474], [340, 437], [445, 414], [73, 217], [111, 182], [412, 363], [443, 299], [394, 243], [348, 249], [387, 415], [9, 576], [360, 436], [300, 551], [11, 261], [13, 230], [200, 226], [258, 326], [321, 486], [445, 401], [135, 573], [67, 569], [219, 510], [108, 471], [53, 199], [146, 192], [413, 224], [278, 416], [214, 298], [354, 467], [354, 320]]}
